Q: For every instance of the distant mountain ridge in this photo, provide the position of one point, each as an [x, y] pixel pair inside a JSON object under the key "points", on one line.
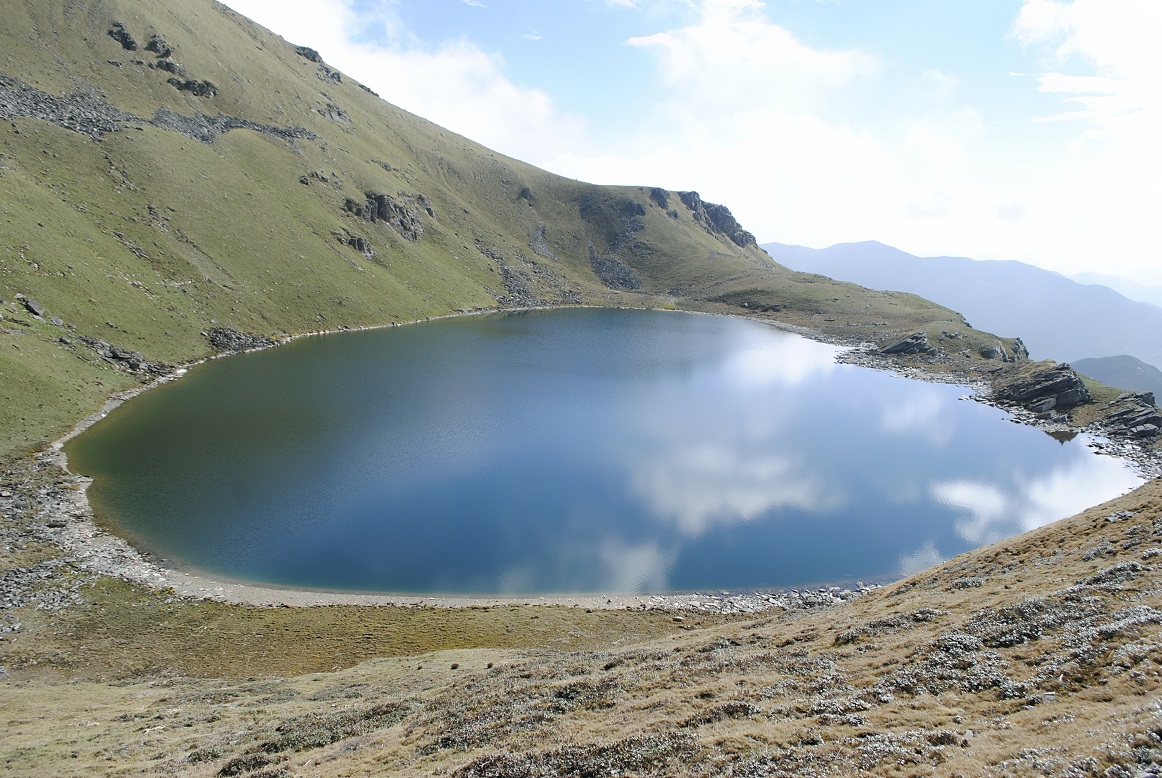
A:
{"points": [[1122, 371], [1056, 317], [1123, 286]]}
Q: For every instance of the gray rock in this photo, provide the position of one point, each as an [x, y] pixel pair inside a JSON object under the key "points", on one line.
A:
{"points": [[194, 87], [612, 271], [916, 343], [35, 308], [132, 361], [118, 33], [158, 46], [403, 217], [1060, 384], [716, 219], [227, 340], [310, 54], [995, 352]]}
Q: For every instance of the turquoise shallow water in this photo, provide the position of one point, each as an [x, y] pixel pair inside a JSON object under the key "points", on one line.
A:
{"points": [[580, 450]]}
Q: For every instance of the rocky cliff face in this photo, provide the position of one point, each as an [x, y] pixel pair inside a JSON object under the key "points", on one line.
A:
{"points": [[717, 219]]}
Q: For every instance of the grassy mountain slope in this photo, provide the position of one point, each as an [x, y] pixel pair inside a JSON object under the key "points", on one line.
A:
{"points": [[134, 212]]}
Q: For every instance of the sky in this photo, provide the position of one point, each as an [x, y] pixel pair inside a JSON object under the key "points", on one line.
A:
{"points": [[993, 129]]}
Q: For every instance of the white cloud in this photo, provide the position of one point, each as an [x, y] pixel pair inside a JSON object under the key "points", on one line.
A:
{"points": [[757, 119], [734, 58], [457, 84], [1106, 204]]}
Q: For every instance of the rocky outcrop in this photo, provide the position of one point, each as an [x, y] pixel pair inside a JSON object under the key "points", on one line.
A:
{"points": [[403, 217], [194, 87], [916, 343], [717, 219], [325, 73], [169, 66], [998, 351], [1135, 416], [1058, 388], [130, 361], [335, 114], [118, 33], [661, 197], [226, 341], [309, 54], [357, 242], [158, 46]]}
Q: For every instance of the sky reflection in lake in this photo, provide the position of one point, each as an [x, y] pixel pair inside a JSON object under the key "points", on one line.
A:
{"points": [[571, 451]]}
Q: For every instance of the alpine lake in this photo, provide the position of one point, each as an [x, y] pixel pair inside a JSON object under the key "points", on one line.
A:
{"points": [[570, 451]]}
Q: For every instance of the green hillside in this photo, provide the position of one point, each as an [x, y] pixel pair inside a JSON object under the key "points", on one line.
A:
{"points": [[167, 168]]}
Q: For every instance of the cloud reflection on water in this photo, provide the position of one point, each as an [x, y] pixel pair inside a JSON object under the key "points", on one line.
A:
{"points": [[924, 414], [716, 483], [608, 565], [921, 559], [643, 567], [779, 361], [995, 512]]}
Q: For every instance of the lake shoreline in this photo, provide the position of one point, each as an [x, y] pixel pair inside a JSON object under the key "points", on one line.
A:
{"points": [[70, 522]]}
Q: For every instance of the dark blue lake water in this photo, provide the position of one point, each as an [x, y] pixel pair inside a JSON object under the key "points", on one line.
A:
{"points": [[581, 450]]}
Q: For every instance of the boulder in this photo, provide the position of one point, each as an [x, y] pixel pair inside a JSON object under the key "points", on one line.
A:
{"points": [[35, 308]]}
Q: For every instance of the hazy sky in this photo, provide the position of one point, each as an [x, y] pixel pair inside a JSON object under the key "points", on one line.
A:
{"points": [[996, 129]]}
